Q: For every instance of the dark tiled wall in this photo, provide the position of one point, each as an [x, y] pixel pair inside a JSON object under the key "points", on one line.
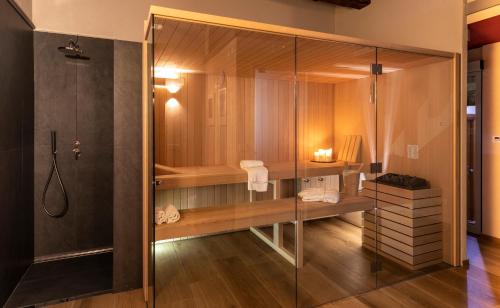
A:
{"points": [[127, 166], [16, 148], [88, 180]]}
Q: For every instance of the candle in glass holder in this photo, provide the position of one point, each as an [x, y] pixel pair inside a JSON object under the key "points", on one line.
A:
{"points": [[328, 154], [322, 155], [316, 156]]}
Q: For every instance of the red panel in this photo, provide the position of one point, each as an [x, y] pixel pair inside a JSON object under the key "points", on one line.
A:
{"points": [[484, 32]]}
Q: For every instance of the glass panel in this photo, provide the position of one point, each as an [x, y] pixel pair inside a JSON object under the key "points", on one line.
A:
{"points": [[150, 160], [336, 144], [224, 97], [415, 135]]}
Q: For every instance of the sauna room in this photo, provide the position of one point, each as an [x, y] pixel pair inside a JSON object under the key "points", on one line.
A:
{"points": [[293, 170]]}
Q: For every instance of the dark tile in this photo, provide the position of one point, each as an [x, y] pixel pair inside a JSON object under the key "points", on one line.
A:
{"points": [[94, 205], [127, 227], [128, 94], [62, 280], [55, 89], [95, 89], [55, 235], [89, 180], [16, 148], [16, 218]]}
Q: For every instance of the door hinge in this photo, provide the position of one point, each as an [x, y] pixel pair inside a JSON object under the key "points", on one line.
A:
{"points": [[376, 69]]}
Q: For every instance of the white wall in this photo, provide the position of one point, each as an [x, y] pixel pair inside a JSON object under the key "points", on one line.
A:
{"points": [[123, 19], [434, 24]]}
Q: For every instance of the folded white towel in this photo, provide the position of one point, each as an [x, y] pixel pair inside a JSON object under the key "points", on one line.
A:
{"points": [[331, 196], [251, 163], [257, 178], [166, 214], [312, 192], [312, 198], [318, 194]]}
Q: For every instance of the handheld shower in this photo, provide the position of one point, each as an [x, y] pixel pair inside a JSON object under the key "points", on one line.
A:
{"points": [[54, 169]]}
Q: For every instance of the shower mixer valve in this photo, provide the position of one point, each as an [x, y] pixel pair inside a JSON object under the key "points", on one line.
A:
{"points": [[76, 149]]}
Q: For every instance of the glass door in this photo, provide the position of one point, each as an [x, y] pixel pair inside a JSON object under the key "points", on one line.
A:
{"points": [[224, 123], [414, 189], [148, 168], [336, 147], [293, 172]]}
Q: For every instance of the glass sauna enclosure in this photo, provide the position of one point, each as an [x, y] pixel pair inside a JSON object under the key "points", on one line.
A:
{"points": [[277, 161]]}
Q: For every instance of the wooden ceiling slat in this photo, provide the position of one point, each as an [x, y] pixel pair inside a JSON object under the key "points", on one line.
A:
{"points": [[192, 45]]}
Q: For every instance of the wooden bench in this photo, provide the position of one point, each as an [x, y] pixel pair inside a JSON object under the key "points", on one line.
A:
{"points": [[183, 177], [204, 221]]}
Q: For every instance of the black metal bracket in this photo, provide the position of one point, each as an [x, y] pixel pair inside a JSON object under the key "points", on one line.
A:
{"points": [[376, 69]]}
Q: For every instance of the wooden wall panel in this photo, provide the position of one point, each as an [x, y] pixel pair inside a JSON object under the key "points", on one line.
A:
{"points": [[205, 196], [355, 115], [178, 131], [315, 118], [274, 120]]}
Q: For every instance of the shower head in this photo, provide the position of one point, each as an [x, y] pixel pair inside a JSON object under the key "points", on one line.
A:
{"points": [[73, 51]]}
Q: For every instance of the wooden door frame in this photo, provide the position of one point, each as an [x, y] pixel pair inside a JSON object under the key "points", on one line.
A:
{"points": [[459, 225]]}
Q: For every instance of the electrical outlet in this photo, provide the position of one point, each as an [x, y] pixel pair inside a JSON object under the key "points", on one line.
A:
{"points": [[412, 151]]}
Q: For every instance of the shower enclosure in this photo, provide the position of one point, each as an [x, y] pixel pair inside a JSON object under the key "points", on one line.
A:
{"points": [[355, 151]]}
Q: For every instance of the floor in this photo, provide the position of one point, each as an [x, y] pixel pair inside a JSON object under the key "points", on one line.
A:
{"points": [[477, 286], [63, 280], [239, 270]]}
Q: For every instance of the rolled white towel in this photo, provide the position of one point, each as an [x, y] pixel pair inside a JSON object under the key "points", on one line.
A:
{"points": [[166, 214], [172, 214], [331, 196], [160, 215], [251, 163]]}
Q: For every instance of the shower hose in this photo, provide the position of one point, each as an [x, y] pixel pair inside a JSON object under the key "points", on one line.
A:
{"points": [[53, 169]]}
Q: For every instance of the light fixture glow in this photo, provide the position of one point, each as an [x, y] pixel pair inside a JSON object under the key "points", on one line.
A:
{"points": [[172, 103], [173, 85], [171, 72]]}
